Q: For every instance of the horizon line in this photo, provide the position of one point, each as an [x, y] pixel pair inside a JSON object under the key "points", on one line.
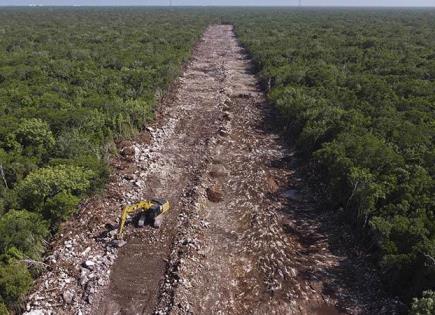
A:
{"points": [[207, 5]]}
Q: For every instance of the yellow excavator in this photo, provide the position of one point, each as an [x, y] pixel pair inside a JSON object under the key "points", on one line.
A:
{"points": [[149, 210]]}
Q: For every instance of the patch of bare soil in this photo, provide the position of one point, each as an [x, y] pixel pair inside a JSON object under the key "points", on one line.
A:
{"points": [[241, 236]]}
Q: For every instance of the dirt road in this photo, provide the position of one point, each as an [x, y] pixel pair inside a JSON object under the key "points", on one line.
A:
{"points": [[242, 237]]}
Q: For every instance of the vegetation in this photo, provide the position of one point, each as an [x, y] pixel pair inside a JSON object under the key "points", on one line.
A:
{"points": [[71, 82], [425, 305], [356, 93]]}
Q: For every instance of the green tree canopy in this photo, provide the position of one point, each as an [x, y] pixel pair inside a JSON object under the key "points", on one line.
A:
{"points": [[53, 191], [25, 231]]}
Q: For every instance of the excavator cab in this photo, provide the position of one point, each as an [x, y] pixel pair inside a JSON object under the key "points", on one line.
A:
{"points": [[147, 210]]}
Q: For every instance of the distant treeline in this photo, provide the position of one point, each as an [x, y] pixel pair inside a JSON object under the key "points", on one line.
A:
{"points": [[71, 82], [356, 94]]}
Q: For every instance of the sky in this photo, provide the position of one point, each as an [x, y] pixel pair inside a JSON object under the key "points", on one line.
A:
{"points": [[395, 3]]}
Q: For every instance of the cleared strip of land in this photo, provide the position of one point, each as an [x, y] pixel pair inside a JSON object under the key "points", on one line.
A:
{"points": [[242, 237]]}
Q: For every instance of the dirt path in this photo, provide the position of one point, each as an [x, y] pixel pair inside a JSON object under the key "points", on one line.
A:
{"points": [[241, 237]]}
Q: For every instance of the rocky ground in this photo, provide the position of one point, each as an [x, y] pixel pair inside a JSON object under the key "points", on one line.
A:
{"points": [[242, 236]]}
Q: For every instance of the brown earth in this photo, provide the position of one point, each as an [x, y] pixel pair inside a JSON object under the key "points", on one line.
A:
{"points": [[242, 236]]}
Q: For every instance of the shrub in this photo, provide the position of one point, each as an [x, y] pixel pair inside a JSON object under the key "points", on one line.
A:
{"points": [[15, 281], [3, 309], [53, 191], [34, 137], [424, 305], [23, 230]]}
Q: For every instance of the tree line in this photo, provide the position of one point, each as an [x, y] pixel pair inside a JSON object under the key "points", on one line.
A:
{"points": [[72, 82], [355, 91]]}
